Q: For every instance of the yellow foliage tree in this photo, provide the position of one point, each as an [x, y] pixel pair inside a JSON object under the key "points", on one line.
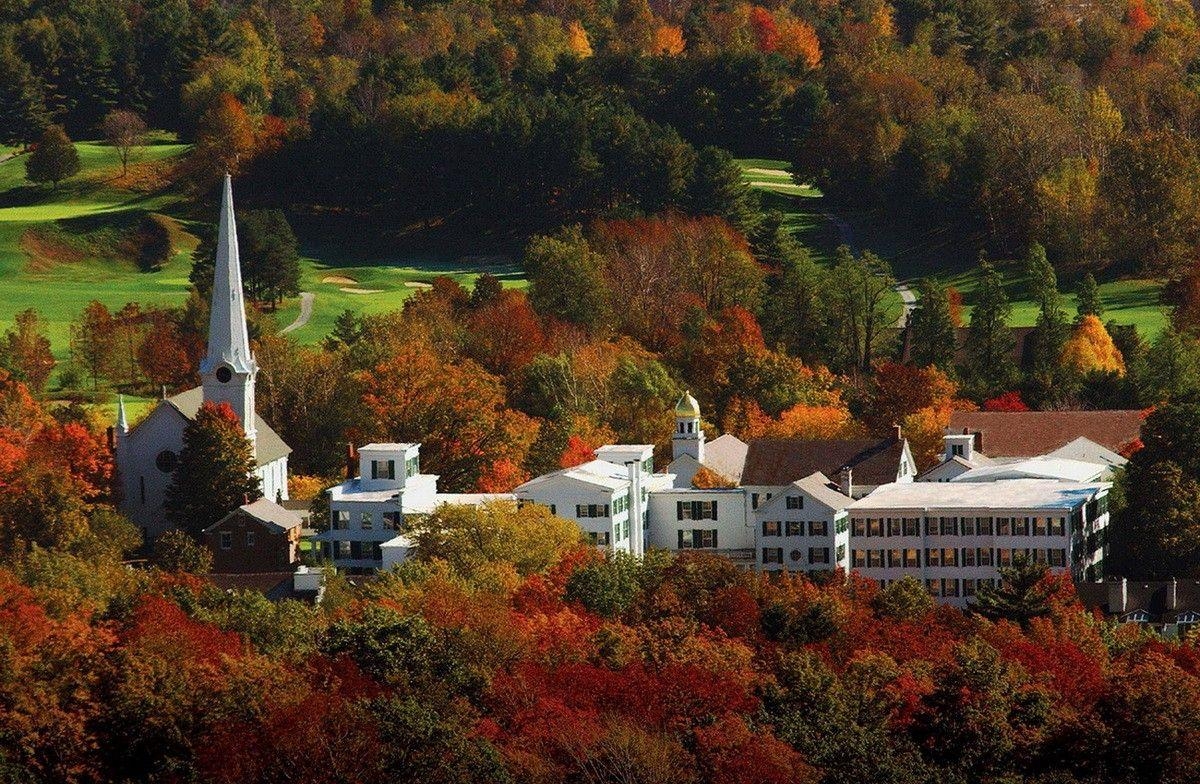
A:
{"points": [[1090, 348], [668, 40], [577, 40], [798, 40]]}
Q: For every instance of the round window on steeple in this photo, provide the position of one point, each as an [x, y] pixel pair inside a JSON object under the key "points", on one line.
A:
{"points": [[224, 374]]}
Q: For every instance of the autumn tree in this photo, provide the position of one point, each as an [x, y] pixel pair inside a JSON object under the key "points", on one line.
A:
{"points": [[25, 350], [215, 473], [527, 536], [124, 130], [1090, 349], [224, 136], [93, 341], [54, 158]]}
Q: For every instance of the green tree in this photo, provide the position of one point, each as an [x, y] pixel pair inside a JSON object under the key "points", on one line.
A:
{"points": [[989, 343], [25, 350], [606, 587], [54, 158], [903, 600], [863, 287], [1156, 532], [527, 536], [1171, 368], [270, 255], [796, 309], [934, 337], [718, 189], [565, 278], [1088, 298], [1021, 595], [178, 551], [215, 474], [23, 114]]}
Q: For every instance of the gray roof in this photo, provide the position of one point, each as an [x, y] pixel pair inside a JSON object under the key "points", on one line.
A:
{"points": [[726, 456], [269, 447], [819, 488], [264, 511]]}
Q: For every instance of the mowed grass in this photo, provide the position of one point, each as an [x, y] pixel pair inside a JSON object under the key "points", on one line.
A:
{"points": [[36, 275], [949, 255], [378, 284], [51, 260]]}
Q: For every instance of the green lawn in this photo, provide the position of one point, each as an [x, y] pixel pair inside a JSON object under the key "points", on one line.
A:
{"points": [[59, 249], [379, 284], [49, 258], [943, 253]]}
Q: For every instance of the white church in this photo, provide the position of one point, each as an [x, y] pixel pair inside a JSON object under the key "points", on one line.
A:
{"points": [[147, 454]]}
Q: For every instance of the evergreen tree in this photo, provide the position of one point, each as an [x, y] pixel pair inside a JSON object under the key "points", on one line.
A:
{"points": [[795, 313], [270, 255], [1045, 344], [215, 471], [1088, 298], [23, 113], [718, 189], [989, 343], [932, 329], [53, 159], [1021, 594]]}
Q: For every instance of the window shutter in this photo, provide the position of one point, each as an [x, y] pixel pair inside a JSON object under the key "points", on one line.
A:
{"points": [[606, 513], [715, 538], [391, 469], [679, 511], [714, 510], [681, 533], [374, 469]]}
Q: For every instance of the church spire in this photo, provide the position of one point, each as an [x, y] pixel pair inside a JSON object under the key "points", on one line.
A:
{"points": [[229, 369], [122, 422], [228, 341]]}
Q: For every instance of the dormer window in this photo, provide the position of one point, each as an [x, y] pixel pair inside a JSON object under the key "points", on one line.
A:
{"points": [[383, 469]]}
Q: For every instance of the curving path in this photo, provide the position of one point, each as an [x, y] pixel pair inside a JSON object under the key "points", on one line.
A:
{"points": [[306, 311]]}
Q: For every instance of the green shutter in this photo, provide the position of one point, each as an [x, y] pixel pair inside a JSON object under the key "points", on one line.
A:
{"points": [[714, 510], [679, 511], [681, 534]]}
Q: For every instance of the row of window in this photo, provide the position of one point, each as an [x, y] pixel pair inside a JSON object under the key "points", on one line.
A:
{"points": [[340, 519], [356, 550], [910, 557], [227, 539], [695, 510], [956, 526], [794, 528], [817, 556], [591, 510], [698, 537]]}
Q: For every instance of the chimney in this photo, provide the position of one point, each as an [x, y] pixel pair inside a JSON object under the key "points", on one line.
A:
{"points": [[1173, 594], [846, 485], [978, 440], [1118, 596], [351, 461]]}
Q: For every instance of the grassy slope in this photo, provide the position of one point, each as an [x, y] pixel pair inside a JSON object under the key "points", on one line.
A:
{"points": [[60, 289], [1126, 301], [60, 286]]}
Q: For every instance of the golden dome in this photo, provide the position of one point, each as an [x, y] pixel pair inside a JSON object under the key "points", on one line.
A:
{"points": [[687, 407]]}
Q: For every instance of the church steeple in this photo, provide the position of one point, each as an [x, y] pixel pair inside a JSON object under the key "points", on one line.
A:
{"points": [[229, 369], [122, 422]]}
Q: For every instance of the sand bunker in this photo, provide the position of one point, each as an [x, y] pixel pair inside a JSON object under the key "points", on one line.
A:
{"points": [[340, 280], [418, 284], [349, 290]]}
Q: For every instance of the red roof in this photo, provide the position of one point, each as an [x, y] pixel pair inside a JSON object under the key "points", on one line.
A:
{"points": [[1032, 433]]}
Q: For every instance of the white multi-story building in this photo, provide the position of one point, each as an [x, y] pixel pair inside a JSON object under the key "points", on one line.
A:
{"points": [[804, 527], [954, 535], [367, 513], [704, 520], [607, 496]]}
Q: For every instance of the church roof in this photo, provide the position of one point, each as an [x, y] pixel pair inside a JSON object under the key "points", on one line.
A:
{"points": [[269, 447], [687, 406]]}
